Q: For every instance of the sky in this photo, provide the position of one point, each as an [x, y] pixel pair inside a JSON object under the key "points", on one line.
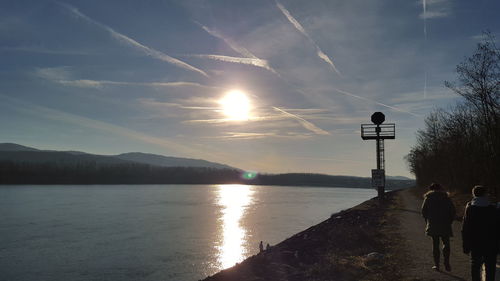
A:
{"points": [[112, 76]]}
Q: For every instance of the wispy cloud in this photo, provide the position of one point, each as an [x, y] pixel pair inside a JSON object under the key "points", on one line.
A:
{"points": [[248, 58], [301, 29], [63, 75], [55, 74], [233, 45], [439, 93], [432, 9], [484, 36], [84, 83], [53, 114], [131, 42], [306, 124], [43, 50], [252, 136], [244, 135], [424, 14], [162, 105], [249, 61], [378, 103]]}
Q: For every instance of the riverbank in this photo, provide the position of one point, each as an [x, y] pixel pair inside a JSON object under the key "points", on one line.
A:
{"points": [[372, 241], [355, 244]]}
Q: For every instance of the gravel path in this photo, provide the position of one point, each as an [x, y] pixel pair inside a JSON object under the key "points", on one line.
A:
{"points": [[419, 246]]}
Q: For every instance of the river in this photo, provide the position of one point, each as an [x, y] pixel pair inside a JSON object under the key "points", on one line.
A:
{"points": [[151, 232]]}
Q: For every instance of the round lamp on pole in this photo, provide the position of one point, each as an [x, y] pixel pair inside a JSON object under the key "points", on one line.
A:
{"points": [[378, 118]]}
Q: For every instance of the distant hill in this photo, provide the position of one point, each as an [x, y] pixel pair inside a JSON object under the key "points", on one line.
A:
{"points": [[59, 157], [402, 178], [15, 147], [165, 161], [26, 165], [19, 153]]}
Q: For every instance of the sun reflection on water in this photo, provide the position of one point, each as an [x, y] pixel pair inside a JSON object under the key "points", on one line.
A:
{"points": [[234, 199]]}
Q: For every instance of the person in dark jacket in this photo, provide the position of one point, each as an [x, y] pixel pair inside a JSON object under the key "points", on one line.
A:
{"points": [[480, 233], [438, 211]]}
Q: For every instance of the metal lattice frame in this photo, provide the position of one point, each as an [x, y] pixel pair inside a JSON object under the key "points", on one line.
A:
{"points": [[384, 131]]}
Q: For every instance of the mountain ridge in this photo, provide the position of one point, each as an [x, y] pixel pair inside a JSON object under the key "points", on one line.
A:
{"points": [[20, 153]]}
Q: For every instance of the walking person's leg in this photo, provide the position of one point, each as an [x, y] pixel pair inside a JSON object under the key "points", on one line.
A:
{"points": [[446, 252], [490, 264], [476, 262], [435, 251]]}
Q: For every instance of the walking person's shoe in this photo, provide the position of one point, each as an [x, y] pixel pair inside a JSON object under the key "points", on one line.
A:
{"points": [[436, 267]]}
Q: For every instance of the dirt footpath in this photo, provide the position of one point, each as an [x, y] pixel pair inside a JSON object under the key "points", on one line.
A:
{"points": [[419, 246]]}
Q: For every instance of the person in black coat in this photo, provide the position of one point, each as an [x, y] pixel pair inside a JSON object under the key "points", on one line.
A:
{"points": [[438, 211], [480, 234]]}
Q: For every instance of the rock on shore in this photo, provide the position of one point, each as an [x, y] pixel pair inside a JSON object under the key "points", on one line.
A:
{"points": [[354, 244]]}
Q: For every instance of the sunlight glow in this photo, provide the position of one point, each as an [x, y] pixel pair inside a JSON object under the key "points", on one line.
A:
{"points": [[236, 105], [234, 200]]}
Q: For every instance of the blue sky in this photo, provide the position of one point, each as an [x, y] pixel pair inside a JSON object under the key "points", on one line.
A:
{"points": [[117, 76]]}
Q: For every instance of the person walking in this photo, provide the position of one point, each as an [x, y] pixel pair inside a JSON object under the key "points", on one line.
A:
{"points": [[480, 233], [438, 211]]}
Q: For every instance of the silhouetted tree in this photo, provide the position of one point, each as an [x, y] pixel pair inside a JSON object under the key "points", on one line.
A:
{"points": [[12, 172], [461, 147]]}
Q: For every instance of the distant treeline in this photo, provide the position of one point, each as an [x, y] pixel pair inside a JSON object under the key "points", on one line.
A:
{"points": [[94, 173], [460, 147]]}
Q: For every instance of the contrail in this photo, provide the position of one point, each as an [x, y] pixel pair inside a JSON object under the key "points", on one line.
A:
{"points": [[131, 42], [376, 102], [250, 61], [249, 57], [308, 125], [85, 83], [424, 6], [425, 86], [233, 45], [301, 29]]}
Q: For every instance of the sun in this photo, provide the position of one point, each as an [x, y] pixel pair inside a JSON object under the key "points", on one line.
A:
{"points": [[236, 105]]}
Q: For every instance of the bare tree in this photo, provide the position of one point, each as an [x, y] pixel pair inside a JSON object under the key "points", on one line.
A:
{"points": [[461, 147]]}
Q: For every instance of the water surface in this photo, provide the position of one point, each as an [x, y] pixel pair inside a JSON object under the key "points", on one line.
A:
{"points": [[151, 232]]}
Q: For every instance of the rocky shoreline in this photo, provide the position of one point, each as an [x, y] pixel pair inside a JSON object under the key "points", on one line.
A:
{"points": [[354, 244]]}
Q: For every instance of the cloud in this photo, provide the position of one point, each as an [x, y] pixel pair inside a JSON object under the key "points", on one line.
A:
{"points": [[301, 29], [233, 45], [53, 114], [63, 75], [432, 9], [83, 83], [249, 61], [438, 93], [434, 14], [43, 50], [249, 58], [162, 105], [484, 36], [261, 119], [244, 135], [131, 42], [378, 103], [248, 136], [54, 73], [306, 124]]}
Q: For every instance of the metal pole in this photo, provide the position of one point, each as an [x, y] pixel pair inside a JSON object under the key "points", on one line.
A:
{"points": [[380, 189]]}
